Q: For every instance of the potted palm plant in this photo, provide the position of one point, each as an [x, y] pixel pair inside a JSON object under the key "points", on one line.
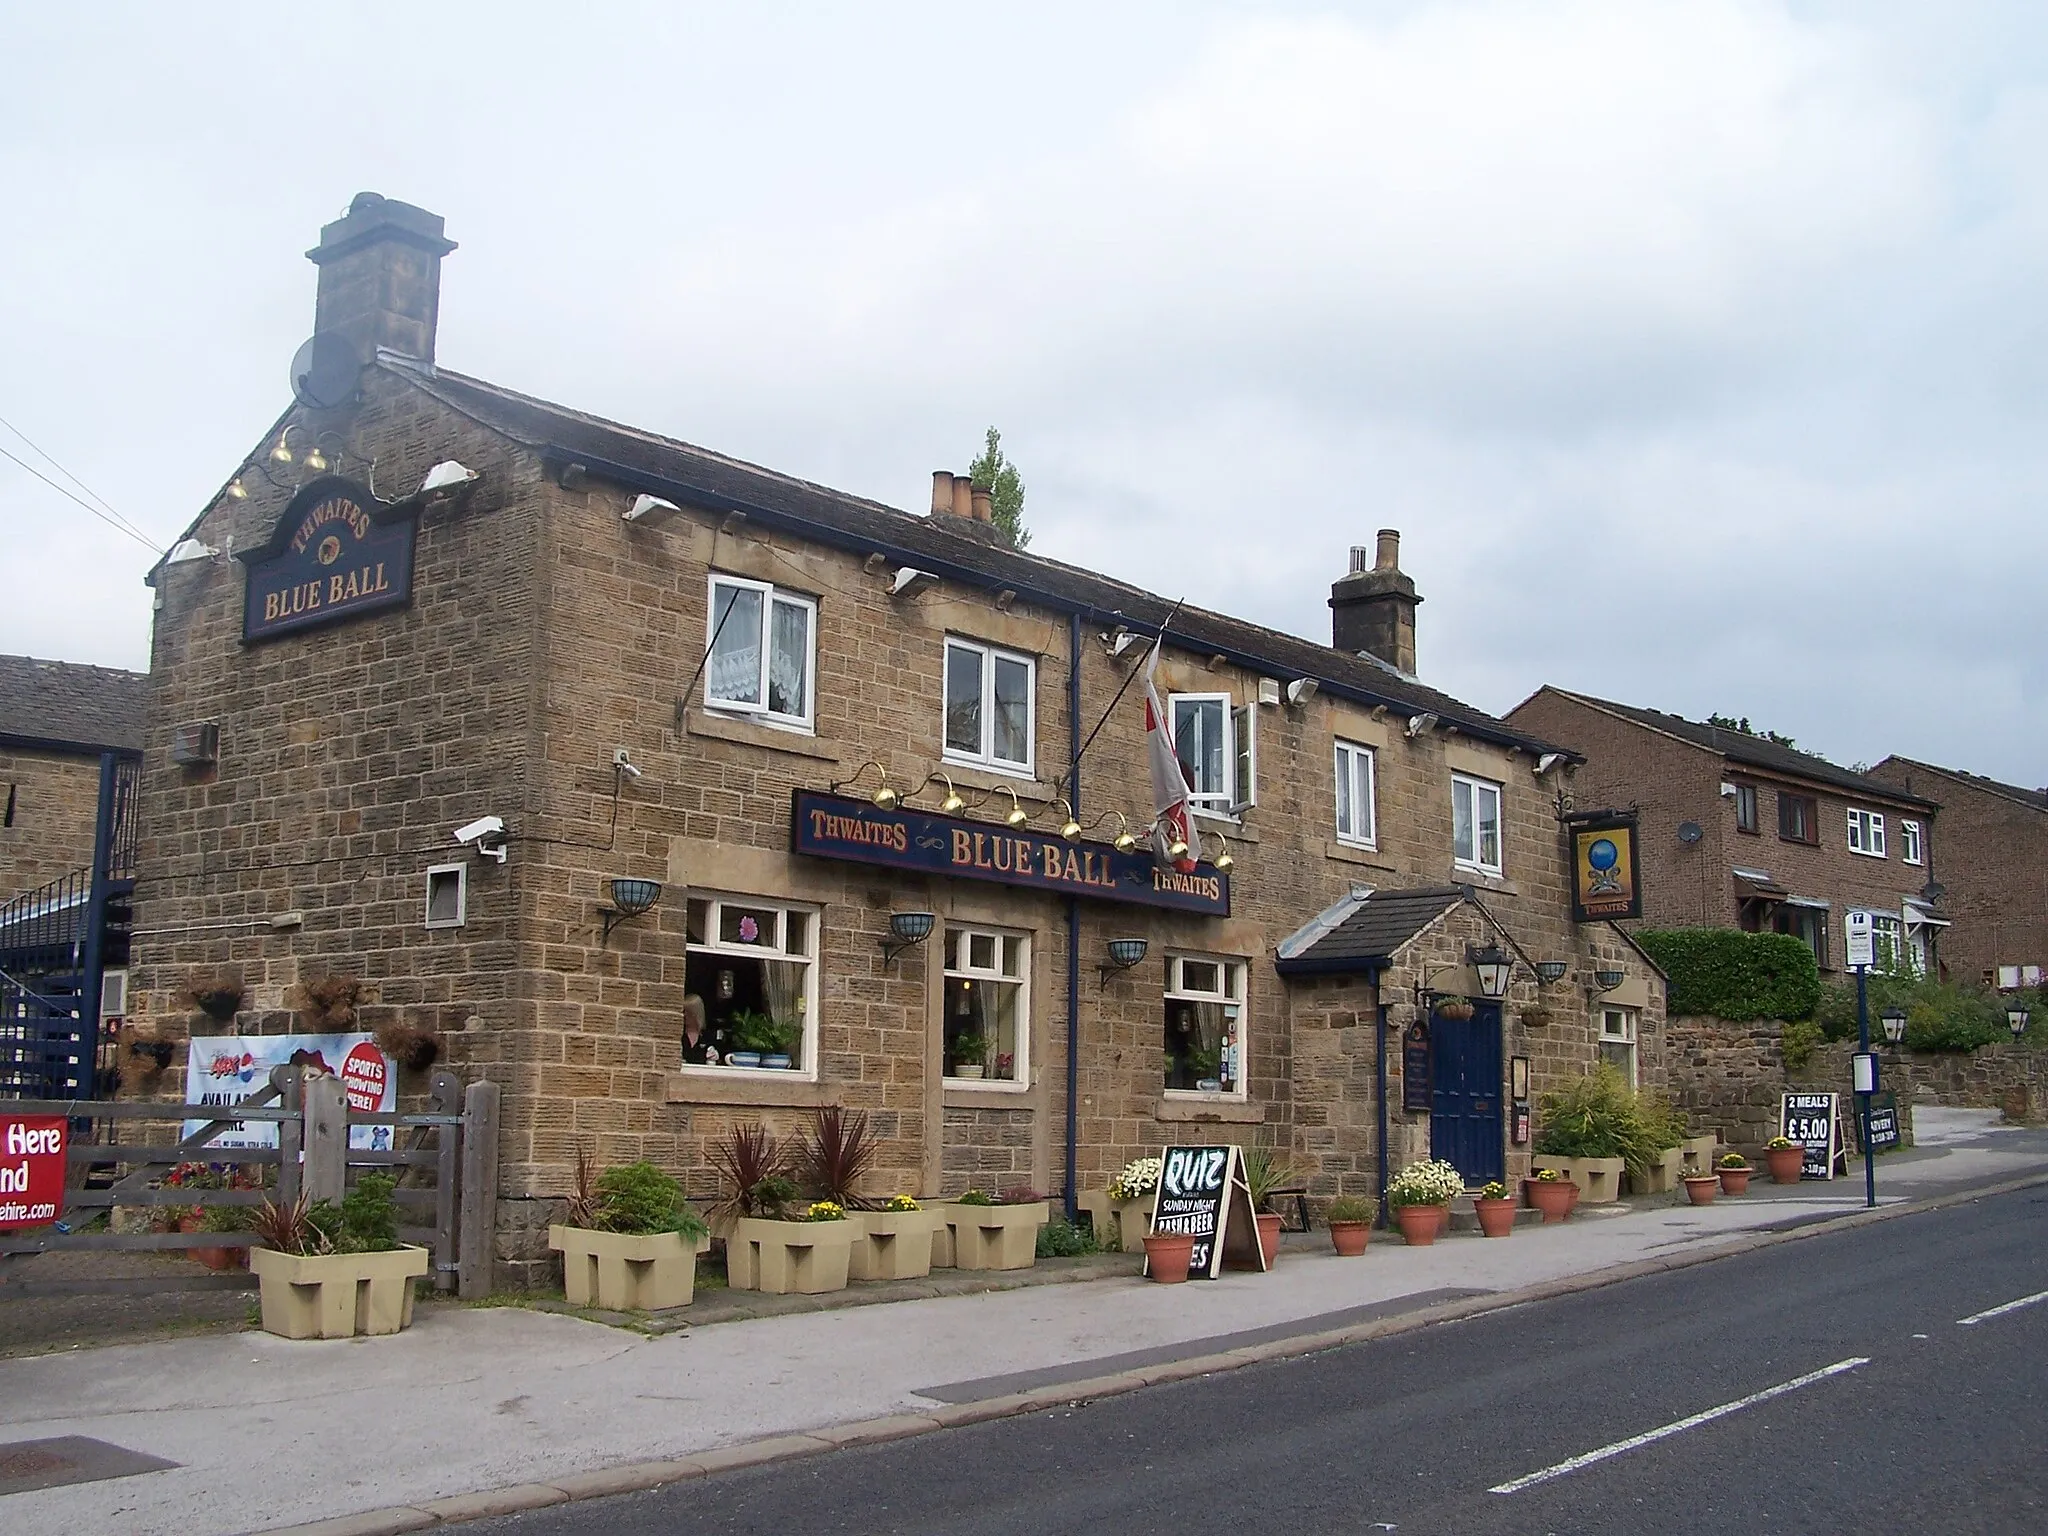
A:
{"points": [[776, 1241], [969, 1052], [326, 1271], [1350, 1221], [1264, 1172], [628, 1240]]}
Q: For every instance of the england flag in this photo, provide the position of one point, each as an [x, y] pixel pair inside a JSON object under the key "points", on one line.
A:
{"points": [[1173, 817]]}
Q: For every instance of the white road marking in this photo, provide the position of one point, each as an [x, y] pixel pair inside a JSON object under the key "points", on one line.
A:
{"points": [[2011, 1306], [1635, 1442]]}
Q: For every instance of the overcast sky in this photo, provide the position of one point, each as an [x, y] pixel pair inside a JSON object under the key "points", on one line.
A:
{"points": [[1698, 351]]}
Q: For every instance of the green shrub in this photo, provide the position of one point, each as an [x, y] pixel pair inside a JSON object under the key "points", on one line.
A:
{"points": [[1797, 1042], [1349, 1208], [366, 1221], [1939, 1015], [639, 1198], [1061, 1239], [1601, 1116], [1726, 974]]}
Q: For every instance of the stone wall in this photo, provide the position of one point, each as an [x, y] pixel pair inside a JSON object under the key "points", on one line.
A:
{"points": [[51, 802]]}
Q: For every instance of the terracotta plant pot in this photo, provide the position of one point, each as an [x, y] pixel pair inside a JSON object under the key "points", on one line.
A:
{"points": [[1553, 1197], [1420, 1223], [1735, 1181], [1167, 1257], [219, 1259], [1269, 1237], [1700, 1188], [1785, 1163], [1349, 1237], [1496, 1217]]}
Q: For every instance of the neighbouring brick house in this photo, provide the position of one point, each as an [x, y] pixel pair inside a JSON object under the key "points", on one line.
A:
{"points": [[1994, 866], [1738, 831], [820, 725]]}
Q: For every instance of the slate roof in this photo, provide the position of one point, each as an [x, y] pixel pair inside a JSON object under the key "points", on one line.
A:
{"points": [[2032, 799], [67, 704], [1370, 936], [696, 476], [1752, 751]]}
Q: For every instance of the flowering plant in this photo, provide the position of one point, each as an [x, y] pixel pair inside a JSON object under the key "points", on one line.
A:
{"points": [[1494, 1191], [1779, 1143], [1140, 1177], [901, 1203], [1548, 1176], [1426, 1183], [825, 1210], [1733, 1160], [975, 1197]]}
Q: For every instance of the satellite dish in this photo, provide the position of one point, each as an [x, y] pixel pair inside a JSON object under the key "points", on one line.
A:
{"points": [[1690, 832], [325, 371]]}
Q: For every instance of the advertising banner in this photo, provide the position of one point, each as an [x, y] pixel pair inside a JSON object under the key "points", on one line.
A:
{"points": [[31, 1170], [223, 1070], [1605, 881]]}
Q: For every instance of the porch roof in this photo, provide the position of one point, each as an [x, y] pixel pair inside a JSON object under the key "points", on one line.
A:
{"points": [[1367, 938]]}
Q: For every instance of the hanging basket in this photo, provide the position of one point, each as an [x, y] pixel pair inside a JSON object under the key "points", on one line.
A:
{"points": [[1456, 1009], [1536, 1017]]}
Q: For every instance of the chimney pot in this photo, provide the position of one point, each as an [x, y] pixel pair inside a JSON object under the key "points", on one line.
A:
{"points": [[984, 504], [1372, 609], [1361, 559], [963, 497], [1390, 550], [942, 492], [380, 277]]}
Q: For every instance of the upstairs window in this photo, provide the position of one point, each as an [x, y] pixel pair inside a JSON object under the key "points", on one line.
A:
{"points": [[1356, 824], [1745, 808], [1216, 751], [1798, 818], [763, 652], [989, 703], [1475, 824], [1910, 849], [1866, 833]]}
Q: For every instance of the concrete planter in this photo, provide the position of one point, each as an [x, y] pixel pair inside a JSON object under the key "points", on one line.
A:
{"points": [[783, 1257], [996, 1236], [893, 1245], [1598, 1178], [336, 1295], [1664, 1174], [943, 1245], [625, 1272], [1701, 1151], [1134, 1220]]}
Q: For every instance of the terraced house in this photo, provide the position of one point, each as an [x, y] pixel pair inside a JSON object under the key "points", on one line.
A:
{"points": [[669, 790]]}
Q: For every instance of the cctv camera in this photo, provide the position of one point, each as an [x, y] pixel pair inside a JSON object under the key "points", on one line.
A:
{"points": [[624, 764], [481, 828]]}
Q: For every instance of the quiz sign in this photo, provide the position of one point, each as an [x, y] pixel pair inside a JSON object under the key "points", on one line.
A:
{"points": [[1202, 1194], [31, 1170]]}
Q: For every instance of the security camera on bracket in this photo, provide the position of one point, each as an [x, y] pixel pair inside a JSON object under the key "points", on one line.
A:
{"points": [[486, 834]]}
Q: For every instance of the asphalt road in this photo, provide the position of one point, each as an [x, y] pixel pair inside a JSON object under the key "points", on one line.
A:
{"points": [[1890, 1413]]}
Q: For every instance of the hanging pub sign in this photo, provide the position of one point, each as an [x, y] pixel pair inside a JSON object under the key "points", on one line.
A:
{"points": [[1605, 880], [1415, 1083], [1203, 1194], [337, 554], [838, 827]]}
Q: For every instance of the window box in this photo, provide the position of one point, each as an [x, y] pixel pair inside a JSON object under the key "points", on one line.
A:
{"points": [[1357, 819], [750, 966], [1217, 751], [1866, 833], [763, 652], [1206, 1012], [1475, 824], [806, 1258], [990, 707]]}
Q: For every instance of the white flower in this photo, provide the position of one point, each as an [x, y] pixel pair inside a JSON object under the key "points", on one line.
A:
{"points": [[1140, 1177], [1426, 1183]]}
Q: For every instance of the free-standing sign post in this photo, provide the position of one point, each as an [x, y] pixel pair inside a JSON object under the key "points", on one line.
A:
{"points": [[1811, 1119], [1202, 1193], [1862, 954], [31, 1170]]}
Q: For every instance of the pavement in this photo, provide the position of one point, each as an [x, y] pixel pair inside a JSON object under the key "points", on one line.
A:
{"points": [[477, 1411]]}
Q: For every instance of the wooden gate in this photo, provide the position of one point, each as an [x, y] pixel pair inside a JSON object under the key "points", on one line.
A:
{"points": [[444, 1159]]}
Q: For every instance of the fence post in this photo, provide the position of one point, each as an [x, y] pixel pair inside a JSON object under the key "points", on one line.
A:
{"points": [[479, 1189], [326, 1139], [446, 1099], [289, 1081]]}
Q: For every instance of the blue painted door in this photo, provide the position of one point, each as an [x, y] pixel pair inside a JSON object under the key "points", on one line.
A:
{"points": [[1465, 1124]]}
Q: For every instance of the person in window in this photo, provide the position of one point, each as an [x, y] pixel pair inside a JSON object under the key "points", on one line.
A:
{"points": [[700, 1042]]}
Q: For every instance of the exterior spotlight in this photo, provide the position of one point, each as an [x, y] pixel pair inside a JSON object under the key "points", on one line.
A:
{"points": [[952, 805], [1608, 980], [886, 798], [1224, 859], [1123, 954], [282, 453], [906, 929], [630, 898], [1894, 1024], [1016, 816], [1070, 829], [1548, 971], [236, 490], [1493, 969], [1126, 840], [1176, 849], [316, 460], [2016, 1020]]}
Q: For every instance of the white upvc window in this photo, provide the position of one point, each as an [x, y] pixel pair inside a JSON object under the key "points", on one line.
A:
{"points": [[751, 985], [1888, 948], [2012, 977], [1205, 1025], [988, 1007], [763, 644], [1910, 848], [1475, 824], [1217, 750], [990, 706], [1866, 833], [1618, 1040], [1357, 823]]}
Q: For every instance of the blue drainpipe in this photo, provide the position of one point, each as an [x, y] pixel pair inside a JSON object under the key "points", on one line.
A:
{"points": [[1073, 914]]}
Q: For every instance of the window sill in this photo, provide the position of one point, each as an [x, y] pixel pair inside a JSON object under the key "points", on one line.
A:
{"points": [[1004, 773], [744, 1087], [963, 1094], [749, 733], [1864, 854], [1484, 879], [1207, 1109], [1353, 853]]}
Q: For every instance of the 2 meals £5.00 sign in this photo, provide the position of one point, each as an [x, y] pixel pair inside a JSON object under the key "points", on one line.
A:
{"points": [[31, 1170]]}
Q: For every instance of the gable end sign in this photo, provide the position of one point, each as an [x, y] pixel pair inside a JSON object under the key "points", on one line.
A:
{"points": [[1605, 881], [337, 554]]}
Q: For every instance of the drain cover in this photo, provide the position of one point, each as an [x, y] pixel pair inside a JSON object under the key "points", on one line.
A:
{"points": [[30, 1464]]}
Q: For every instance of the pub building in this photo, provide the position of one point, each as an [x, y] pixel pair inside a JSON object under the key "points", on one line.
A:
{"points": [[668, 791]]}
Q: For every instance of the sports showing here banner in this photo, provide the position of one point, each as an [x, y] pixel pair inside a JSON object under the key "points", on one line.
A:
{"points": [[32, 1160], [223, 1070]]}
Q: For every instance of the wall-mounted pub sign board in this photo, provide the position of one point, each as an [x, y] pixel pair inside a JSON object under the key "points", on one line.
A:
{"points": [[839, 827], [1202, 1193], [1884, 1121], [1606, 883], [1417, 1091], [336, 554], [1814, 1120]]}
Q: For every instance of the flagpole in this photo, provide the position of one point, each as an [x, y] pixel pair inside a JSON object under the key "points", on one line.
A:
{"points": [[1129, 678]]}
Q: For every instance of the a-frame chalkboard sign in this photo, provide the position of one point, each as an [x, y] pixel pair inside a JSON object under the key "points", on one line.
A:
{"points": [[1814, 1120], [1202, 1192]]}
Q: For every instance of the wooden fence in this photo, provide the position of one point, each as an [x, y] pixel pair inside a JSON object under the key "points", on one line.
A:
{"points": [[444, 1160]]}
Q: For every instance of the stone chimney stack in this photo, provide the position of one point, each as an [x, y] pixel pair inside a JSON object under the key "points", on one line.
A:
{"points": [[1373, 608], [380, 277]]}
